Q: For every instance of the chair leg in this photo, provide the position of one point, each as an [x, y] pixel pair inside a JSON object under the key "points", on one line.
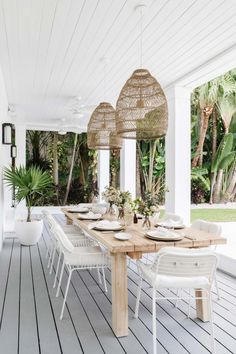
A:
{"points": [[66, 292], [47, 252], [154, 329], [104, 279], [211, 325], [189, 302], [52, 261], [58, 263], [50, 255], [178, 294], [217, 288], [99, 276], [138, 298], [60, 279]]}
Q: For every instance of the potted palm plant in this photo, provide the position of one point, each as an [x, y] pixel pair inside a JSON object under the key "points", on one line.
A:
{"points": [[30, 185]]}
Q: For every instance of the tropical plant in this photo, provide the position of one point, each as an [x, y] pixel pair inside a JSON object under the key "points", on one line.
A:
{"points": [[152, 163], [205, 98], [224, 157], [30, 184], [37, 143]]}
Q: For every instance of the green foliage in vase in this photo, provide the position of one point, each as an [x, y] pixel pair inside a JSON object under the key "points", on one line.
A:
{"points": [[30, 184]]}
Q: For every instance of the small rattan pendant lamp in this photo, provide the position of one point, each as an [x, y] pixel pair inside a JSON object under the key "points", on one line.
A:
{"points": [[102, 129], [141, 109], [102, 132]]}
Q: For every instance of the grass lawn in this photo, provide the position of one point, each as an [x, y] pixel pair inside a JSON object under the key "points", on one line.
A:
{"points": [[214, 214]]}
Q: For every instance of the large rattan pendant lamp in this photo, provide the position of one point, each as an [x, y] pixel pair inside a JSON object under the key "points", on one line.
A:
{"points": [[141, 109], [102, 132]]}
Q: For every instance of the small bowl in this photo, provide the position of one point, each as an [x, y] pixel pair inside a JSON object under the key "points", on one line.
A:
{"points": [[123, 236]]}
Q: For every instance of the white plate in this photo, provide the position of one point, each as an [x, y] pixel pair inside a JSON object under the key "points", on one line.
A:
{"points": [[89, 216], [108, 228], [122, 236], [79, 210], [172, 236], [170, 226]]}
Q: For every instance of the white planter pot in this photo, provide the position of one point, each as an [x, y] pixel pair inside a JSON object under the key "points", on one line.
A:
{"points": [[29, 233]]}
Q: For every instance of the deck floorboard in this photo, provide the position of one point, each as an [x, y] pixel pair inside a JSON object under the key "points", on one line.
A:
{"points": [[29, 310]]}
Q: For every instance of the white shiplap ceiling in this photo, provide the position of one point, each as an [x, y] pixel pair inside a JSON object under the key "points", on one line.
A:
{"points": [[50, 50]]}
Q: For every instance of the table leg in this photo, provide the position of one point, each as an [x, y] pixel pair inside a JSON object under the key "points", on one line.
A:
{"points": [[119, 295], [202, 305], [68, 221]]}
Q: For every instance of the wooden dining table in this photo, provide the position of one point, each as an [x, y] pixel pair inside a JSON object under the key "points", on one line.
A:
{"points": [[134, 248]]}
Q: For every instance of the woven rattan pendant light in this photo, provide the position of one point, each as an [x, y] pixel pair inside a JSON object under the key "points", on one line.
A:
{"points": [[141, 109], [102, 129]]}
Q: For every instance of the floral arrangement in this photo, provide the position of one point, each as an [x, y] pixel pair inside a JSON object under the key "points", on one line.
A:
{"points": [[111, 195], [118, 198], [146, 206]]}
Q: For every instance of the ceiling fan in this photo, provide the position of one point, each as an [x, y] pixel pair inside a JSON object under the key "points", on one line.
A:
{"points": [[69, 126], [76, 108]]}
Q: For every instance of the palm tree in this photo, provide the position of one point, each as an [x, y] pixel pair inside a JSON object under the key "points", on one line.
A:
{"points": [[224, 157], [206, 96], [227, 108]]}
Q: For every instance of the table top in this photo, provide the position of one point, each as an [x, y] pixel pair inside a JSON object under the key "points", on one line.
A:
{"points": [[139, 243]]}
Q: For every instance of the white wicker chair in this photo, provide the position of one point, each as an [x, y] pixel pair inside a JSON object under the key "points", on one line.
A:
{"points": [[75, 258], [78, 239], [213, 228], [178, 268], [172, 216]]}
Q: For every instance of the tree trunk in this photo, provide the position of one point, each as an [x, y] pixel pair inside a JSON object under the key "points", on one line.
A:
{"points": [[213, 181], [28, 214], [213, 148], [71, 170], [229, 194], [204, 120], [218, 185], [152, 151], [214, 133], [138, 177], [55, 165]]}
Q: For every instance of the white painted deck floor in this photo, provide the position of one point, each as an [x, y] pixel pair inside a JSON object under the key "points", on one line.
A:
{"points": [[29, 310]]}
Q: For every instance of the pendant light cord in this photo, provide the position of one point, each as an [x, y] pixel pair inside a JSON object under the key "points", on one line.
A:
{"points": [[141, 37], [104, 80]]}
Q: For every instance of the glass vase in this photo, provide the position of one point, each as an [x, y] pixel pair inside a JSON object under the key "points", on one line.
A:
{"points": [[111, 209], [146, 223]]}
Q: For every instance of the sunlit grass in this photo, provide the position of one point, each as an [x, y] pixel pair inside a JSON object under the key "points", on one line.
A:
{"points": [[214, 214]]}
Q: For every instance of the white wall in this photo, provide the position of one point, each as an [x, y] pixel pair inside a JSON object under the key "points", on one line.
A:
{"points": [[4, 151]]}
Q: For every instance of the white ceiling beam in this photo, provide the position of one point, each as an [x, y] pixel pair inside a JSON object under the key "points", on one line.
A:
{"points": [[212, 68]]}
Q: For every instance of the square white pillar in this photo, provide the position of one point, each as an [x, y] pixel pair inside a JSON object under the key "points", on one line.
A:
{"points": [[21, 144], [128, 167], [103, 171], [178, 152]]}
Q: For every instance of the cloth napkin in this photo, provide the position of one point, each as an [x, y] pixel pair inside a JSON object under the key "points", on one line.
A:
{"points": [[103, 223], [171, 222], [162, 231], [89, 215]]}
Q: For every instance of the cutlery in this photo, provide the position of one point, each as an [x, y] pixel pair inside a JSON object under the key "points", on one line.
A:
{"points": [[190, 238]]}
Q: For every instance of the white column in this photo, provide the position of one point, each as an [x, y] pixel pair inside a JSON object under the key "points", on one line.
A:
{"points": [[103, 171], [128, 167], [21, 144], [178, 152]]}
